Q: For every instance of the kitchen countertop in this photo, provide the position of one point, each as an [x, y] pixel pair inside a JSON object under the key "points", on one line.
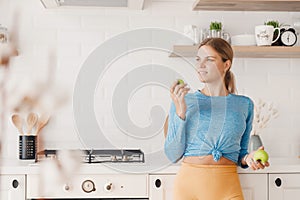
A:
{"points": [[278, 165]]}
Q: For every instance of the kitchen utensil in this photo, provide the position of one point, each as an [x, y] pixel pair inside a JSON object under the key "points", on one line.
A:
{"points": [[32, 119], [192, 32], [204, 33], [27, 147], [18, 122], [42, 122], [219, 34], [3, 34]]}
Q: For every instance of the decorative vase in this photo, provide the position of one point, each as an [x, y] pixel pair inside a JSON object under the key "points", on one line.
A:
{"points": [[254, 143]]}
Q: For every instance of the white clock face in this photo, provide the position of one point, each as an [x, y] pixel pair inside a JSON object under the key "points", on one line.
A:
{"points": [[288, 38]]}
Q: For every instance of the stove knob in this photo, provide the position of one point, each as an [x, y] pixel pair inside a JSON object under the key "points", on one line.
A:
{"points": [[88, 186], [67, 187], [108, 187]]}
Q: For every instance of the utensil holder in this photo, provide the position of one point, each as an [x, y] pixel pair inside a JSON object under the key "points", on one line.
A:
{"points": [[27, 147]]}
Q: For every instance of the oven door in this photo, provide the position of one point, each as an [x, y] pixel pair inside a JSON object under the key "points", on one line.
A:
{"points": [[89, 186]]}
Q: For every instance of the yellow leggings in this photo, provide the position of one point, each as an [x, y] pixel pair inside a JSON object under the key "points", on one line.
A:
{"points": [[207, 182]]}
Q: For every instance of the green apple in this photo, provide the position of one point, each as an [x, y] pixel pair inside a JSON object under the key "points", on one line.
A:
{"points": [[180, 81], [261, 155]]}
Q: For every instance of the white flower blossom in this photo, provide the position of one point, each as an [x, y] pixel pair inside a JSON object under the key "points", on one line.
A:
{"points": [[263, 113]]}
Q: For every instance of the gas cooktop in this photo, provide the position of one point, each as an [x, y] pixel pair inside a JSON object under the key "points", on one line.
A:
{"points": [[98, 155]]}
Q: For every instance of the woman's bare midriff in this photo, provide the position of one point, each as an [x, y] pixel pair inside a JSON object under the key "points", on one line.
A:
{"points": [[207, 160]]}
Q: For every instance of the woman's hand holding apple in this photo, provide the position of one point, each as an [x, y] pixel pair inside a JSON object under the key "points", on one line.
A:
{"points": [[177, 91], [258, 159]]}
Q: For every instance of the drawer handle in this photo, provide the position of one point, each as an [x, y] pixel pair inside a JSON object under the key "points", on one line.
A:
{"points": [[15, 183], [278, 182], [157, 183]]}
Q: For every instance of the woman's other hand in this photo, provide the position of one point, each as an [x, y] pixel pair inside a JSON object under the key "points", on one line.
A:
{"points": [[253, 164], [177, 93]]}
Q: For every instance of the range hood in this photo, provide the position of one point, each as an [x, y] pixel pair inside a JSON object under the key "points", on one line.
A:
{"points": [[132, 4]]}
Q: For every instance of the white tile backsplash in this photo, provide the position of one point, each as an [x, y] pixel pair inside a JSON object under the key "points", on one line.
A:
{"points": [[104, 22], [178, 10], [153, 21], [75, 33], [56, 20]]}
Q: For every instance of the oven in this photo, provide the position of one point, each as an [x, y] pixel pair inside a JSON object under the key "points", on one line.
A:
{"points": [[91, 186], [91, 183]]}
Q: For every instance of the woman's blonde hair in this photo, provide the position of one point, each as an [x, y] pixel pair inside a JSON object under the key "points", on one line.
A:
{"points": [[223, 48]]}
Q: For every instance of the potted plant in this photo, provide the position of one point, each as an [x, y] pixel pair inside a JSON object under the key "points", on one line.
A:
{"points": [[215, 26], [215, 29], [263, 113], [275, 24]]}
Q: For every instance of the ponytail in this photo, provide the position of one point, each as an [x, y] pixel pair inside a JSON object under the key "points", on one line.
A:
{"points": [[230, 82]]}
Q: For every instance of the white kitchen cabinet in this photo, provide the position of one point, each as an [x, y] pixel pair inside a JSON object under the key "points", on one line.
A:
{"points": [[12, 187], [284, 186], [161, 187], [87, 186], [255, 186]]}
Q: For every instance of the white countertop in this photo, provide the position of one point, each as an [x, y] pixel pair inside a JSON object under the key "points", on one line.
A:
{"points": [[284, 165]]}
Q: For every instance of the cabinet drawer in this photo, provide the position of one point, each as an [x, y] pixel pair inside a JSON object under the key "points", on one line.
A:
{"points": [[254, 186], [89, 186], [12, 187], [284, 186]]}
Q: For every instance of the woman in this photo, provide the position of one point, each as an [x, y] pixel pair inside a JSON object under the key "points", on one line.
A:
{"points": [[210, 129]]}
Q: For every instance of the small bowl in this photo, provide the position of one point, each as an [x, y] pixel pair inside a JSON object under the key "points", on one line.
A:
{"points": [[243, 40]]}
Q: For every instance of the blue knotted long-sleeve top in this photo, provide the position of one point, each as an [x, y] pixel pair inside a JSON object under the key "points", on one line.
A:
{"points": [[216, 125]]}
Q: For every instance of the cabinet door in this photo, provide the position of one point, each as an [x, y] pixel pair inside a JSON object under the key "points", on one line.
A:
{"points": [[254, 186], [284, 186], [161, 187], [12, 187]]}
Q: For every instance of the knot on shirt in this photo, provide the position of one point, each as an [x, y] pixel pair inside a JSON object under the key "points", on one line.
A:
{"points": [[216, 154]]}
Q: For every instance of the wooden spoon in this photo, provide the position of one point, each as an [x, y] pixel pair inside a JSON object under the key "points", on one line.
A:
{"points": [[18, 122], [32, 118], [42, 123]]}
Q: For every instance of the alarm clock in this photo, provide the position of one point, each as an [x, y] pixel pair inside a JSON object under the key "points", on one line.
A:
{"points": [[288, 36]]}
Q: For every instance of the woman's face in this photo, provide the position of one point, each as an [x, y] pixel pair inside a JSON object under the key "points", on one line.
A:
{"points": [[210, 66]]}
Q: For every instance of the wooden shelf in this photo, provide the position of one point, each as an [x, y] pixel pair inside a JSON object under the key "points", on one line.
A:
{"points": [[247, 5], [243, 51]]}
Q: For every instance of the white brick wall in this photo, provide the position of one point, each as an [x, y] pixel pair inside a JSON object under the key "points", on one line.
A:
{"points": [[75, 33]]}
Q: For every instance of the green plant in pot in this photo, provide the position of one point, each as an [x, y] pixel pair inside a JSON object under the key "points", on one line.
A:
{"points": [[275, 24], [215, 26], [215, 29]]}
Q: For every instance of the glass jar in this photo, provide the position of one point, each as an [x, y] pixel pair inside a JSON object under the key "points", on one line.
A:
{"points": [[3, 34]]}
